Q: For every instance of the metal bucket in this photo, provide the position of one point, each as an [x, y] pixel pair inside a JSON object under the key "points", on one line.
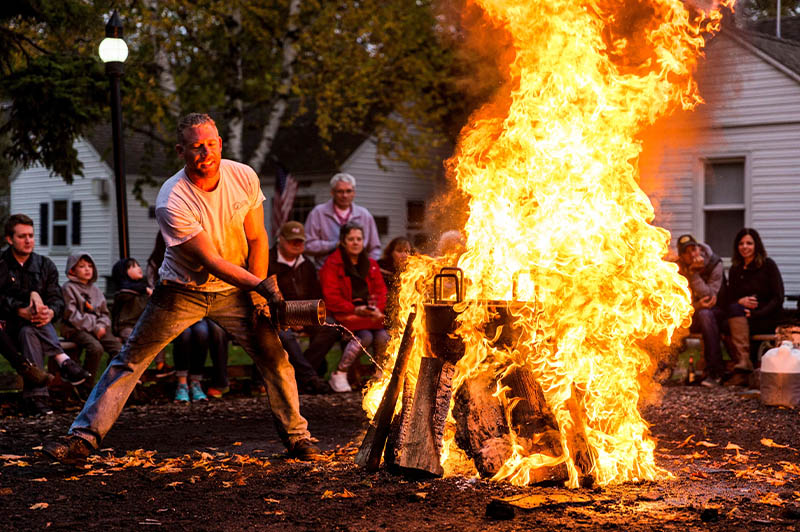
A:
{"points": [[301, 313]]}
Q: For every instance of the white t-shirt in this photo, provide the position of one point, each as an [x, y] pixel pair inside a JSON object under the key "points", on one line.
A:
{"points": [[183, 210]]}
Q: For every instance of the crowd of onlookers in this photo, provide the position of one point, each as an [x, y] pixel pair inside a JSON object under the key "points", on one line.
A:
{"points": [[336, 256]]}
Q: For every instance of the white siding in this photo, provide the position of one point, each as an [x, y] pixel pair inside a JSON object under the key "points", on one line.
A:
{"points": [[36, 185], [753, 112]]}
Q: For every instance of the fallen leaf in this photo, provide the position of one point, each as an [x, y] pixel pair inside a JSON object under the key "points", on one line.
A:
{"points": [[39, 479], [769, 443], [275, 501], [327, 494], [39, 506], [706, 444], [10, 457], [237, 443], [733, 446], [174, 484], [226, 484], [686, 441], [6, 491], [771, 498], [71, 478]]}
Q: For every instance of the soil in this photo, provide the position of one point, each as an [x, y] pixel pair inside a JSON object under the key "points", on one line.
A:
{"points": [[220, 466]]}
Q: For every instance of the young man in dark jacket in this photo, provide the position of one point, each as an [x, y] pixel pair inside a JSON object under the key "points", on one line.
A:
{"points": [[297, 279], [30, 302]]}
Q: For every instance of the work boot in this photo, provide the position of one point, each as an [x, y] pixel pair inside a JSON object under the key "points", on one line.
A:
{"points": [[69, 449], [316, 386], [740, 342], [304, 450], [32, 374]]}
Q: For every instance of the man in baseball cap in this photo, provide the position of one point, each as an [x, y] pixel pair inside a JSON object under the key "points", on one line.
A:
{"points": [[703, 270], [297, 279]]}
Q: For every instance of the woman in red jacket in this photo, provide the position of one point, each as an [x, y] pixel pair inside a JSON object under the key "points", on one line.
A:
{"points": [[355, 294]]}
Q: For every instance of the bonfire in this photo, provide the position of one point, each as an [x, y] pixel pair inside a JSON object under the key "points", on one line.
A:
{"points": [[562, 284]]}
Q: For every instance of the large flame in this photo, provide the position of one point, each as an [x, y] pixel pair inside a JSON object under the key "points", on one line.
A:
{"points": [[550, 170]]}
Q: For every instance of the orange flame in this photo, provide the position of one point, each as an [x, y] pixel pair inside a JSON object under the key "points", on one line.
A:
{"points": [[550, 170]]}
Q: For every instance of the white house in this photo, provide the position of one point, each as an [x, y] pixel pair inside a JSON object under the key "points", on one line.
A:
{"points": [[735, 161], [82, 216]]}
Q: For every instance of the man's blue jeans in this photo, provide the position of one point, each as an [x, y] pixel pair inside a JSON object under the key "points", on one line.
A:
{"points": [[169, 311], [706, 321]]}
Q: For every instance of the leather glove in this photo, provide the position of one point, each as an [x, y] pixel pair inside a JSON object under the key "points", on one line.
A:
{"points": [[268, 289]]}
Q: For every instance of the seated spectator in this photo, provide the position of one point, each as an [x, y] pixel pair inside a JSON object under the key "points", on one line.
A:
{"points": [[754, 298], [189, 352], [325, 221], [392, 263], [30, 300], [131, 296], [29, 373], [87, 321], [703, 269], [356, 296], [297, 280]]}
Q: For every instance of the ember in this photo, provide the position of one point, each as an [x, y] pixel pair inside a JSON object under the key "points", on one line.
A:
{"points": [[538, 353]]}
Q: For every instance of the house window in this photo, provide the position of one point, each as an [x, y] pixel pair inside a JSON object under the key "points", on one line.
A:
{"points": [[415, 213], [301, 207], [60, 222], [382, 223], [724, 203]]}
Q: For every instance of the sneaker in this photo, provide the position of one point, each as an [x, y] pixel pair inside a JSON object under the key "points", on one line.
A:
{"points": [[711, 382], [217, 393], [34, 375], [182, 393], [73, 373], [37, 406], [304, 450], [196, 391], [338, 382], [69, 449]]}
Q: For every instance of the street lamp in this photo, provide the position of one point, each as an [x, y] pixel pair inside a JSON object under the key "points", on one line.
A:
{"points": [[113, 52]]}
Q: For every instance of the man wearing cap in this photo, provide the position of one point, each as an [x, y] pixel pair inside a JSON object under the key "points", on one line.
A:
{"points": [[703, 269], [297, 279], [326, 220]]}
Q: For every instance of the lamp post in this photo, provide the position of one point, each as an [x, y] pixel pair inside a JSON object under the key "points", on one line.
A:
{"points": [[113, 52]]}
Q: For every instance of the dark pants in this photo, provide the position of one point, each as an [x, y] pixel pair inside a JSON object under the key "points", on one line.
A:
{"points": [[95, 348], [190, 349], [707, 322], [311, 363]]}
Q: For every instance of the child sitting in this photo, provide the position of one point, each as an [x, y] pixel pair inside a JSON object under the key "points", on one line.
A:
{"points": [[87, 321], [130, 298]]}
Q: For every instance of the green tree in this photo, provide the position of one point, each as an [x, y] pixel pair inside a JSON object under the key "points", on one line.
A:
{"points": [[371, 67], [760, 9]]}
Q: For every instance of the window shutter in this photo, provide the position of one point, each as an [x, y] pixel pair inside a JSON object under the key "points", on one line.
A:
{"points": [[44, 224], [76, 223]]}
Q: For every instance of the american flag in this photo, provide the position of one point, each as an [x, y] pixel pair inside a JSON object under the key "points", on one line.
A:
{"points": [[282, 201]]}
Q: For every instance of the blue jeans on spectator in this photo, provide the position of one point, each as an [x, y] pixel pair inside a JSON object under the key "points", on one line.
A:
{"points": [[706, 321], [37, 344], [170, 310]]}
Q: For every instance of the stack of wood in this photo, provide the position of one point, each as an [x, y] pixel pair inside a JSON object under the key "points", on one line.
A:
{"points": [[413, 438]]}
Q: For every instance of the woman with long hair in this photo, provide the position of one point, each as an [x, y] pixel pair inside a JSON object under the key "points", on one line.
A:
{"points": [[392, 263], [754, 297], [355, 295]]}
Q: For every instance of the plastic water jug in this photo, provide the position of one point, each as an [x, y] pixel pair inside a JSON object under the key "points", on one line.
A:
{"points": [[780, 376]]}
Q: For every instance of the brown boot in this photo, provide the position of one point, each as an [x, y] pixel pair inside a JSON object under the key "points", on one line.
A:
{"points": [[740, 341]]}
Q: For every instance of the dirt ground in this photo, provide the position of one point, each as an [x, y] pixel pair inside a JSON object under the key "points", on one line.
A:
{"points": [[220, 466]]}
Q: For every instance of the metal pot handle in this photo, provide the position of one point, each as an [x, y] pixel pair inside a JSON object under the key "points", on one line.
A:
{"points": [[457, 276]]}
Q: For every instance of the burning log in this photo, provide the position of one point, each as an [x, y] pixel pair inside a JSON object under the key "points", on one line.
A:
{"points": [[369, 454], [481, 428], [416, 449]]}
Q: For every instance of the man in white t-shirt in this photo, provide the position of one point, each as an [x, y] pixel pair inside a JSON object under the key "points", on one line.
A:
{"points": [[211, 216]]}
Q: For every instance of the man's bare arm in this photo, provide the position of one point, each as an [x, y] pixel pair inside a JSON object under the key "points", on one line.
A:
{"points": [[201, 250], [257, 243]]}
